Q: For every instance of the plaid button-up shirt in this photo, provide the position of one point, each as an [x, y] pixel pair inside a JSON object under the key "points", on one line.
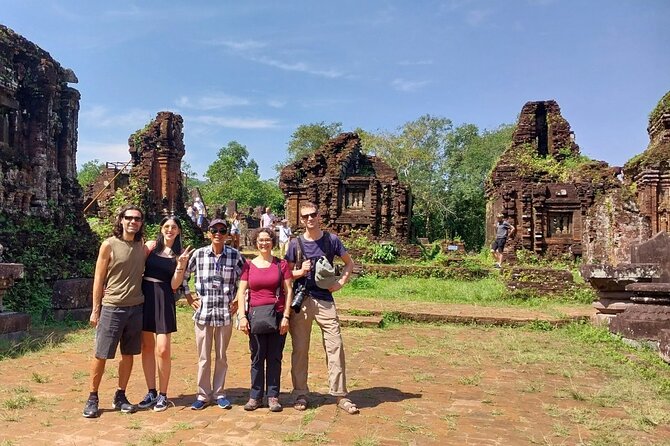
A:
{"points": [[215, 283]]}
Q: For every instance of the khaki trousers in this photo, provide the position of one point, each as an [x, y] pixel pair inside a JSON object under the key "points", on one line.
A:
{"points": [[300, 327], [205, 335]]}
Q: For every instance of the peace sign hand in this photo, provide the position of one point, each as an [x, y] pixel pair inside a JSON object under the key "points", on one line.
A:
{"points": [[183, 258]]}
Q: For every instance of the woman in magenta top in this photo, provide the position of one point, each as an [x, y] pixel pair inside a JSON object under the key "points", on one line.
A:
{"points": [[269, 281]]}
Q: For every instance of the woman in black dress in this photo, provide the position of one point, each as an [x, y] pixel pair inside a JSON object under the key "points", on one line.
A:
{"points": [[163, 273]]}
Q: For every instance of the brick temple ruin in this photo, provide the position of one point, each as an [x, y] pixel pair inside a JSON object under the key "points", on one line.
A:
{"points": [[38, 173], [352, 190], [560, 202], [156, 152]]}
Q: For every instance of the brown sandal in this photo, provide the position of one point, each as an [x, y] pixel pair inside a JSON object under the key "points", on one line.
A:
{"points": [[300, 403], [348, 406]]}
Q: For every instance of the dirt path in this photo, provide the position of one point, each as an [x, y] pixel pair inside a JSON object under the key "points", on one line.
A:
{"points": [[415, 385]]}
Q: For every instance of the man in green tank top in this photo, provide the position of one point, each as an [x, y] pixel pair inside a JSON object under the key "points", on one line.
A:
{"points": [[117, 305]]}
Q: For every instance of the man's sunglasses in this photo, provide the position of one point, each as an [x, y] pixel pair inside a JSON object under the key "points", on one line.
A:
{"points": [[217, 231], [132, 218], [312, 215]]}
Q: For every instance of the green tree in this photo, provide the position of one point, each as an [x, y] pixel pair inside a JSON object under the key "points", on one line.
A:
{"points": [[89, 172], [233, 176], [469, 158], [417, 153], [307, 138]]}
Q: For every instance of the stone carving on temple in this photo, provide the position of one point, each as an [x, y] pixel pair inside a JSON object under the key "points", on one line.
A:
{"points": [[352, 190]]}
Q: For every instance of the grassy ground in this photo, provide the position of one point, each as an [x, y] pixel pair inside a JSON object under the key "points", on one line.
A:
{"points": [[488, 292]]}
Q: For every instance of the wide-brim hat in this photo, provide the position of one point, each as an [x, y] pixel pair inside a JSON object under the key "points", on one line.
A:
{"points": [[325, 274]]}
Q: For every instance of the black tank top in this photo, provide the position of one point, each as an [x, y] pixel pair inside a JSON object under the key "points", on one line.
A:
{"points": [[161, 268]]}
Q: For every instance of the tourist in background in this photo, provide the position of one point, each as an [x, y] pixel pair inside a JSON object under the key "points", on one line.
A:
{"points": [[163, 273], [267, 219], [217, 269], [503, 230], [117, 306], [318, 305], [235, 231], [269, 282], [284, 237], [199, 208]]}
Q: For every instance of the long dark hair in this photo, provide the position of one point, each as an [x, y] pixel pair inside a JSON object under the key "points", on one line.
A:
{"points": [[118, 227], [160, 240]]}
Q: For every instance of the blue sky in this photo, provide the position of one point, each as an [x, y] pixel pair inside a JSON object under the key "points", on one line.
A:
{"points": [[252, 71]]}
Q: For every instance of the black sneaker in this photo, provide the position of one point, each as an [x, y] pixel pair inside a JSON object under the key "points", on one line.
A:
{"points": [[121, 403], [148, 401], [91, 408]]}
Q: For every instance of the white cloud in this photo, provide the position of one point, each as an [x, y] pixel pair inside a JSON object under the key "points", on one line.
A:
{"points": [[301, 67], [100, 116], [90, 150], [235, 123], [214, 101], [239, 46], [249, 50], [415, 62], [274, 103], [407, 86]]}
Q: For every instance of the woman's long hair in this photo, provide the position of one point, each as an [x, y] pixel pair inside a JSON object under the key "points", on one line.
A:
{"points": [[160, 240]]}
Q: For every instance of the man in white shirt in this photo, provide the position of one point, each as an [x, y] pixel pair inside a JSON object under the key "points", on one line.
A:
{"points": [[267, 219]]}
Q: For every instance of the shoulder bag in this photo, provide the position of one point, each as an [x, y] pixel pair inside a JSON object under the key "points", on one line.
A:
{"points": [[263, 319]]}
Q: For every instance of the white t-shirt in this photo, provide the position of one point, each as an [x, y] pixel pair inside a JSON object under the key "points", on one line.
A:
{"points": [[284, 234]]}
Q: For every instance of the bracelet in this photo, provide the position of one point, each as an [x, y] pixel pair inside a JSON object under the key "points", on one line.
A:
{"points": [[286, 317], [243, 316], [178, 270]]}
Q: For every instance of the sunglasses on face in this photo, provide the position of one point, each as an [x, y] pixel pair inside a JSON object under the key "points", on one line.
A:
{"points": [[217, 231], [307, 216], [132, 218]]}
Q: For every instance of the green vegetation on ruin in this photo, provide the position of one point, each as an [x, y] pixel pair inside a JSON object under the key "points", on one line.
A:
{"points": [[663, 106], [570, 168]]}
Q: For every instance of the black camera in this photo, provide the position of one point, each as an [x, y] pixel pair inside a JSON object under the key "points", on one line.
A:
{"points": [[298, 296]]}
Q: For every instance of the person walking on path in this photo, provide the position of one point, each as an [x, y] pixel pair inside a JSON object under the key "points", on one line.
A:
{"points": [[117, 306], [503, 230], [217, 270], [284, 237], [318, 305], [269, 282], [163, 273]]}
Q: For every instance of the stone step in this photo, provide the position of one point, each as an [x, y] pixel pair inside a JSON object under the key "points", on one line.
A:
{"points": [[347, 320]]}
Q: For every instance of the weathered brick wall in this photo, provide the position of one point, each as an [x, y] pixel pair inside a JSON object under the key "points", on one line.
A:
{"points": [[351, 190], [549, 208], [38, 130]]}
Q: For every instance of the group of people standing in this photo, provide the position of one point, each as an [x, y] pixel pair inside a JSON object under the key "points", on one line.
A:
{"points": [[134, 307]]}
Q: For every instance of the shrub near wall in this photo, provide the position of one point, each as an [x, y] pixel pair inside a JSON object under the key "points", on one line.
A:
{"points": [[422, 271], [49, 249]]}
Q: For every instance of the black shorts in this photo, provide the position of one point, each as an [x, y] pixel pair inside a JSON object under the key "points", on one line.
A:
{"points": [[116, 324], [498, 244]]}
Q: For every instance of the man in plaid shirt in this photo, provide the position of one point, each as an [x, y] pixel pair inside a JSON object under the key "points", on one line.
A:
{"points": [[217, 271]]}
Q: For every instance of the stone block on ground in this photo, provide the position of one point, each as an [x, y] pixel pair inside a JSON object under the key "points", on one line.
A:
{"points": [[642, 321], [72, 293]]}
